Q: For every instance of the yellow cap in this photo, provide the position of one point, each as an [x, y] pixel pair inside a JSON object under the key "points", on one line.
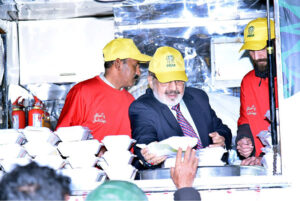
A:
{"points": [[256, 34], [168, 65], [123, 48]]}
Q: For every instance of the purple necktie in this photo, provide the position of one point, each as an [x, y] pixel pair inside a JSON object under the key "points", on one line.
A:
{"points": [[187, 129]]}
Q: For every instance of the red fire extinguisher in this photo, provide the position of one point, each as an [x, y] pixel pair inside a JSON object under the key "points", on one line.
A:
{"points": [[18, 114], [35, 115]]}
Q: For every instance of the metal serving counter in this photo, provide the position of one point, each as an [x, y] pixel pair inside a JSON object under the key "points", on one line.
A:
{"points": [[207, 171]]}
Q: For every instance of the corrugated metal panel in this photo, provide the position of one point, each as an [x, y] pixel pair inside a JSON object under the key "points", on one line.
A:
{"points": [[52, 9]]}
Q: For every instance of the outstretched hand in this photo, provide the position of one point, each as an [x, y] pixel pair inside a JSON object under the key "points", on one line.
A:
{"points": [[184, 172]]}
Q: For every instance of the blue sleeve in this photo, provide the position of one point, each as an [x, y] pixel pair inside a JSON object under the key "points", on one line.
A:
{"points": [[143, 128], [187, 193]]}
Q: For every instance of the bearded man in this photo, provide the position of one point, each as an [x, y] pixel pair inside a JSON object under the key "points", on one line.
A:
{"points": [[169, 108], [254, 95]]}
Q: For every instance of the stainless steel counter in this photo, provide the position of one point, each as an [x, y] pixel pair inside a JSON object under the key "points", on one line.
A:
{"points": [[207, 171]]}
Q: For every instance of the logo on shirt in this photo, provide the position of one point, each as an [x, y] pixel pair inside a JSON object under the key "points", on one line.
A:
{"points": [[251, 110], [99, 118]]}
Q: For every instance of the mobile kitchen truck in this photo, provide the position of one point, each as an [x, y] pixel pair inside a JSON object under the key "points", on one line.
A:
{"points": [[46, 43]]}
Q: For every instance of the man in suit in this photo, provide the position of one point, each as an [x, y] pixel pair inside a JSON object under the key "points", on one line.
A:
{"points": [[168, 108]]}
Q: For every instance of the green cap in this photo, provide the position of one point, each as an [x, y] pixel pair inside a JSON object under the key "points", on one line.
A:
{"points": [[115, 190]]}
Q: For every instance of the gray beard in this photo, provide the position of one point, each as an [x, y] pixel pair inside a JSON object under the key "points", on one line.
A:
{"points": [[168, 103]]}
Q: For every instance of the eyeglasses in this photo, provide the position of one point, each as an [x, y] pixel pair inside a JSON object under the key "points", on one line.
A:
{"points": [[177, 83]]}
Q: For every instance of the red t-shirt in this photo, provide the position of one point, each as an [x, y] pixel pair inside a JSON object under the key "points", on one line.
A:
{"points": [[94, 104], [254, 105]]}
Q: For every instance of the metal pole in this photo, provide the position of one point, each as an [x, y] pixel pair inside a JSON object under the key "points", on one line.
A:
{"points": [[272, 74], [4, 84]]}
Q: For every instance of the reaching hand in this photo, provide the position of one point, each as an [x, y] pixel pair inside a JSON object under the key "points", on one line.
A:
{"points": [[184, 172], [245, 147], [152, 158], [218, 140]]}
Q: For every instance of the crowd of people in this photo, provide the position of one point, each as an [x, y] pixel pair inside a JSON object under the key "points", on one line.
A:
{"points": [[168, 108]]}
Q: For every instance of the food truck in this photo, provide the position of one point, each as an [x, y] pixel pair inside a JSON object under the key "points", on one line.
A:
{"points": [[47, 46]]}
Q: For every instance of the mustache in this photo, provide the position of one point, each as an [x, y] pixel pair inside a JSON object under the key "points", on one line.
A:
{"points": [[172, 92], [261, 60]]}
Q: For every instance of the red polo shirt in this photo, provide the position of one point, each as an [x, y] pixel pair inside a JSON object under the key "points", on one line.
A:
{"points": [[94, 104], [255, 104]]}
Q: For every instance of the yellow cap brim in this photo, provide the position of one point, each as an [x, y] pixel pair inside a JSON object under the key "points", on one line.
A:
{"points": [[142, 58], [171, 76], [257, 45]]}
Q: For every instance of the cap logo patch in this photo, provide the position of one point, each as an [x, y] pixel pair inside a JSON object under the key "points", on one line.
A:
{"points": [[170, 61], [250, 31]]}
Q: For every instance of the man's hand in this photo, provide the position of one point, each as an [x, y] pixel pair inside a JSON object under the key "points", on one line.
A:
{"points": [[152, 158], [184, 172], [218, 140], [245, 147], [252, 161]]}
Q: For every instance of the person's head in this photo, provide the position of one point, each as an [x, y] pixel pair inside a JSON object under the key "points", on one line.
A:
{"points": [[122, 57], [33, 182], [255, 41], [167, 75], [115, 190]]}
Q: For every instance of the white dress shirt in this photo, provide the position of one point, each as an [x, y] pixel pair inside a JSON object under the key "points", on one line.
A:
{"points": [[185, 112]]}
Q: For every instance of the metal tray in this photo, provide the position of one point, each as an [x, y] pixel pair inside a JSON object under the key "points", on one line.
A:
{"points": [[205, 171]]}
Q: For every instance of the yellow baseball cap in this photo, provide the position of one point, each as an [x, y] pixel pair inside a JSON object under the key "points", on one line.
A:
{"points": [[256, 34], [123, 48], [168, 65]]}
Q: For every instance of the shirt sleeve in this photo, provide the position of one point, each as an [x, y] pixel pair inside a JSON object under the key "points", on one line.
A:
{"points": [[245, 131], [188, 193], [143, 128], [72, 113]]}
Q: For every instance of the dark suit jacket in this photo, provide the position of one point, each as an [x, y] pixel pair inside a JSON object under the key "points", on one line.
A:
{"points": [[153, 121]]}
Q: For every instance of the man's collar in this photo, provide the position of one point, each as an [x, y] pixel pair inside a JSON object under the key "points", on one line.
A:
{"points": [[102, 77]]}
